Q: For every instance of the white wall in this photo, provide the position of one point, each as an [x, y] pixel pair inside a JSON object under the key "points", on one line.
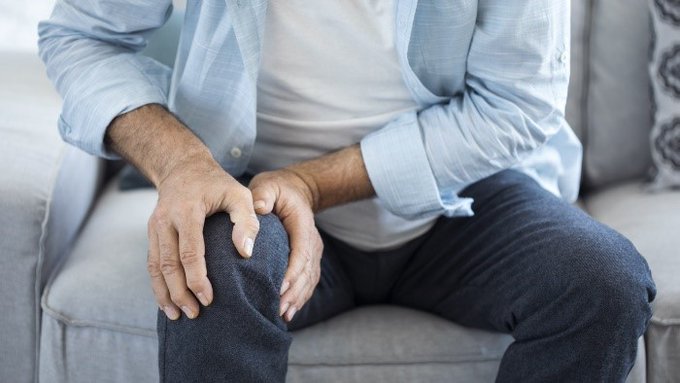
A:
{"points": [[19, 22]]}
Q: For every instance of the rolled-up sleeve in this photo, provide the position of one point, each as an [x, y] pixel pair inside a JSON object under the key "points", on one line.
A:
{"points": [[90, 48], [513, 103]]}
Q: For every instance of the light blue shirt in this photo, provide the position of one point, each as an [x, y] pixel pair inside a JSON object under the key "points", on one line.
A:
{"points": [[490, 78]]}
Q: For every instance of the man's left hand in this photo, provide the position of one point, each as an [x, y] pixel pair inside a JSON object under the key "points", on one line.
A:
{"points": [[285, 193]]}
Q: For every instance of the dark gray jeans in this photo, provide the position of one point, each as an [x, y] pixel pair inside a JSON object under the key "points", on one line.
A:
{"points": [[573, 293]]}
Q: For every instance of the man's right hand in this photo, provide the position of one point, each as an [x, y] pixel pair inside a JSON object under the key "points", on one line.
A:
{"points": [[191, 186], [176, 263]]}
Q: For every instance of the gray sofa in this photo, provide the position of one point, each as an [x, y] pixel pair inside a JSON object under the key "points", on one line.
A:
{"points": [[76, 305]]}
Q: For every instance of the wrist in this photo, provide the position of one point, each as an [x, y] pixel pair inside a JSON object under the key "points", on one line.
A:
{"points": [[156, 142], [194, 158], [306, 183]]}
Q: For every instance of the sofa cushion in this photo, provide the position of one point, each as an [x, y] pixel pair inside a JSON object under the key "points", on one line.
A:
{"points": [[100, 303], [617, 102], [45, 191], [651, 222], [104, 282]]}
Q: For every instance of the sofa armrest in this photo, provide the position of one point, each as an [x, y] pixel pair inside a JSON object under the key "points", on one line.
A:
{"points": [[46, 189]]}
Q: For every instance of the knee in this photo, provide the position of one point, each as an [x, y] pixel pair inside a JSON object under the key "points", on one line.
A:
{"points": [[230, 274], [613, 280]]}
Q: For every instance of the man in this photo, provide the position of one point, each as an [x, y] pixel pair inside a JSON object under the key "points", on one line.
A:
{"points": [[426, 140]]}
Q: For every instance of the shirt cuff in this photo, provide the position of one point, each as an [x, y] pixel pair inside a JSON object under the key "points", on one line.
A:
{"points": [[87, 114], [401, 173]]}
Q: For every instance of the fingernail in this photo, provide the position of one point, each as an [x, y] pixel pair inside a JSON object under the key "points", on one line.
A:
{"points": [[284, 287], [201, 297], [291, 313], [248, 245], [284, 307], [188, 312], [171, 312], [259, 204]]}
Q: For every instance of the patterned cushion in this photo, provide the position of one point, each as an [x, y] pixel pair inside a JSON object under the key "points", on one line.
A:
{"points": [[665, 73]]}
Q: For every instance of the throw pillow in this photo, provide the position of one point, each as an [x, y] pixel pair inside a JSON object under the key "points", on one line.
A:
{"points": [[665, 74]]}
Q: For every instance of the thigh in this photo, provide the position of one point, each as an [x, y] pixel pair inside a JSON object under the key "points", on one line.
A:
{"points": [[332, 296], [523, 249]]}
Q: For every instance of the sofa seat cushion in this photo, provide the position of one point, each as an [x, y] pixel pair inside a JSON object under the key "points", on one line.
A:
{"points": [[652, 222], [100, 303], [104, 283]]}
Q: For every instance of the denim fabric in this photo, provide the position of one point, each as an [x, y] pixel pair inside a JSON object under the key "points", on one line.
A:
{"points": [[574, 294], [240, 336]]}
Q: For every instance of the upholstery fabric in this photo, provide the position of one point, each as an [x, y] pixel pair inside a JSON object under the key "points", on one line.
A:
{"points": [[45, 191], [651, 222], [665, 78], [85, 338], [101, 303], [99, 321], [617, 102]]}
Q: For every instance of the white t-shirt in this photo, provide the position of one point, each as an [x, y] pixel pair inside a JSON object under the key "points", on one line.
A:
{"points": [[329, 76]]}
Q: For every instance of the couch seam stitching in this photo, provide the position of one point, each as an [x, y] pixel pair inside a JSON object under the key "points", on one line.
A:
{"points": [[298, 364], [37, 298], [664, 322], [68, 321]]}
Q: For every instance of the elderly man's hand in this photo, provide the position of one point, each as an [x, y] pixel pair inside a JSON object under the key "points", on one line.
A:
{"points": [[192, 190], [285, 193]]}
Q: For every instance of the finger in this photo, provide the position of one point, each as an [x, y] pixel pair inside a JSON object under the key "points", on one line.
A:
{"points": [[296, 297], [173, 272], [294, 280], [192, 255], [160, 289], [300, 289], [263, 199], [246, 224]]}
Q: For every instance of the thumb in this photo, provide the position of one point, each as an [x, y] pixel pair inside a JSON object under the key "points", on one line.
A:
{"points": [[263, 199], [246, 224]]}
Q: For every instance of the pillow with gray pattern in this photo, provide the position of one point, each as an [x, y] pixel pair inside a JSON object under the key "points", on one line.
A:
{"points": [[665, 74]]}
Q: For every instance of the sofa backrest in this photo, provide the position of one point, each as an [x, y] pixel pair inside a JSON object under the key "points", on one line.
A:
{"points": [[609, 103]]}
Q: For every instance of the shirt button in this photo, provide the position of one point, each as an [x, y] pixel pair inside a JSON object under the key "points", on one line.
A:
{"points": [[235, 152], [564, 57]]}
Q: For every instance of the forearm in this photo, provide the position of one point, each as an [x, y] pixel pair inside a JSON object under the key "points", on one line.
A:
{"points": [[154, 141], [336, 178]]}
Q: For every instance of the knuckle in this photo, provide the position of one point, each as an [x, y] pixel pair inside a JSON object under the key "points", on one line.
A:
{"points": [[160, 220], [253, 224], [162, 299], [292, 281], [160, 292], [188, 212], [244, 193], [168, 266], [179, 299], [189, 257], [153, 269], [195, 284], [165, 250]]}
